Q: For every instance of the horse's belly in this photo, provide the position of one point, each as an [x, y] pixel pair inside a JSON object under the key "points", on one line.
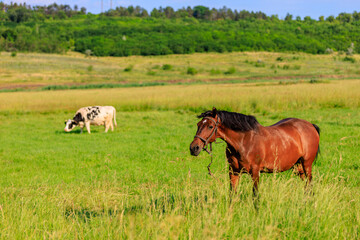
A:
{"points": [[279, 164]]}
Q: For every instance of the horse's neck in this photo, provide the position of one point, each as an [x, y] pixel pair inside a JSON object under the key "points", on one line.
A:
{"points": [[233, 138]]}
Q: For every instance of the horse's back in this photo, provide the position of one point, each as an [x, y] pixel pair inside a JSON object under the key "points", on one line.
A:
{"points": [[304, 131]]}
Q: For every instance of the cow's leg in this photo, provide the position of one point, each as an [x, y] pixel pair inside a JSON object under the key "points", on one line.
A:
{"points": [[81, 129], [106, 126], [111, 125], [87, 125]]}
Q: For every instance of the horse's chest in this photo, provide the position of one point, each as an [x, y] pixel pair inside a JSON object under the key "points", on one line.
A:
{"points": [[236, 161]]}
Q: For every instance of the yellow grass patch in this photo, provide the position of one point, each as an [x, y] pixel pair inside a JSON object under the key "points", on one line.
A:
{"points": [[236, 97]]}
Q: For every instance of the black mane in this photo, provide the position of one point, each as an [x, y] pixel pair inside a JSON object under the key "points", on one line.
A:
{"points": [[235, 121]]}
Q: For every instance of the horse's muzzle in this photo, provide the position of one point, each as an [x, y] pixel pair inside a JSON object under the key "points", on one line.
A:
{"points": [[195, 149]]}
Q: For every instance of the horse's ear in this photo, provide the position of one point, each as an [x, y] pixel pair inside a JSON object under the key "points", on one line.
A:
{"points": [[214, 111]]}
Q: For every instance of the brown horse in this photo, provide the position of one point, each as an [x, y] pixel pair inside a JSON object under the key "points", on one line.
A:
{"points": [[253, 148]]}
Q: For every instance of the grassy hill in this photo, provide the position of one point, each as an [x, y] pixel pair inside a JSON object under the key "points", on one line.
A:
{"points": [[35, 70]]}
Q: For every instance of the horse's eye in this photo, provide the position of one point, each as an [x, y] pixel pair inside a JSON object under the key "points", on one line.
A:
{"points": [[210, 127]]}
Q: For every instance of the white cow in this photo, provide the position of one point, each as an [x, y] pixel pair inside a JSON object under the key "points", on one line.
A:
{"points": [[98, 115]]}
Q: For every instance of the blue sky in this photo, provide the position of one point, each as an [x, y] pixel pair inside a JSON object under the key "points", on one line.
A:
{"points": [[312, 8]]}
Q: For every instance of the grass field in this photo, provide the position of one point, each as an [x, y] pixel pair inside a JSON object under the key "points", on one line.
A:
{"points": [[30, 70], [140, 181]]}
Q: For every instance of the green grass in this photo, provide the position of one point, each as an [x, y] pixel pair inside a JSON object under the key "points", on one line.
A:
{"points": [[32, 70], [141, 182]]}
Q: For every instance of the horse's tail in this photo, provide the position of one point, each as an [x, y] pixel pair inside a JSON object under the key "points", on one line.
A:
{"points": [[318, 130]]}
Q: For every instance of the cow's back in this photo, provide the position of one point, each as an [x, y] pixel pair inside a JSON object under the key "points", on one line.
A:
{"points": [[93, 114]]}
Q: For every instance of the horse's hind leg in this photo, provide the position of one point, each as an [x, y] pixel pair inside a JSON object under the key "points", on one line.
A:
{"points": [[300, 169], [255, 175], [307, 167]]}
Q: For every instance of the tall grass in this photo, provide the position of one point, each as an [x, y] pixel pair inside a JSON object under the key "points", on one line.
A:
{"points": [[248, 98], [186, 210], [140, 182]]}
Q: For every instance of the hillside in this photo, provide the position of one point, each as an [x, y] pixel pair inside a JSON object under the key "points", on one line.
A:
{"points": [[125, 36]]}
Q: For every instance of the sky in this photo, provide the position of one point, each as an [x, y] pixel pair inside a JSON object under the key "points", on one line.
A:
{"points": [[302, 8]]}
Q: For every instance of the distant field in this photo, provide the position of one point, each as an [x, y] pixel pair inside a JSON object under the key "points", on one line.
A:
{"points": [[39, 70]]}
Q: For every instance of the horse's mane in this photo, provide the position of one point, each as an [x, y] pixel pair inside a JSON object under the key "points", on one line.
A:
{"points": [[235, 121]]}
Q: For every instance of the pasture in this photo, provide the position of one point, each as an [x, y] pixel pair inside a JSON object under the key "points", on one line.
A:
{"points": [[34, 70], [140, 182]]}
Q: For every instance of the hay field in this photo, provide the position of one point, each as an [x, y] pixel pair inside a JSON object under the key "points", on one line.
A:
{"points": [[248, 98]]}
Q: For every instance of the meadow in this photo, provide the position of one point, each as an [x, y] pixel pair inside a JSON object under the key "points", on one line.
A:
{"points": [[140, 182], [39, 71]]}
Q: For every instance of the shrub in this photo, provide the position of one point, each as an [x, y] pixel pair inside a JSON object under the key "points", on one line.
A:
{"points": [[88, 53], [259, 64], [350, 50], [128, 69], [314, 81], [329, 51], [151, 73], [349, 59], [167, 67], [280, 59], [90, 68], [215, 71], [231, 70], [13, 54], [286, 67], [191, 71]]}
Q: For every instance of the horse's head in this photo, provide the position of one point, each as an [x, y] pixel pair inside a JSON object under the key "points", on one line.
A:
{"points": [[206, 132]]}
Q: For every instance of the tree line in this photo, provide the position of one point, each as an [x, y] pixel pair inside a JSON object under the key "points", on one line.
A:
{"points": [[126, 31], [22, 12]]}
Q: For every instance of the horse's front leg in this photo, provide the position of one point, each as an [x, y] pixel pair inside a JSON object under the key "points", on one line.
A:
{"points": [[234, 168], [234, 179], [255, 175]]}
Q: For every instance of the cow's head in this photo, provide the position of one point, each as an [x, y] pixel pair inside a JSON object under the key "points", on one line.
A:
{"points": [[69, 125]]}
